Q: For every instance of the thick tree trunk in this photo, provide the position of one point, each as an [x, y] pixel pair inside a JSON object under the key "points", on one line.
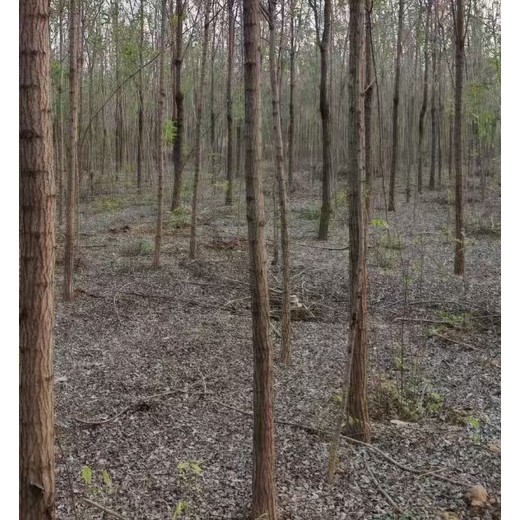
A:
{"points": [[425, 98], [264, 492], [179, 102], [73, 163], [229, 105], [198, 132], [282, 187], [457, 140], [395, 109], [37, 256], [326, 207], [160, 140]]}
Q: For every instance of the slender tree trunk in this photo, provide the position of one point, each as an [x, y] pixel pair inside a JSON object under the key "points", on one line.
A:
{"points": [[73, 163], [160, 140], [395, 109], [292, 80], [282, 187], [354, 392], [433, 111], [229, 105], [459, 68], [239, 149], [369, 95], [37, 255], [326, 207], [425, 98], [119, 100], [198, 131], [61, 169], [264, 491], [140, 124], [179, 102]]}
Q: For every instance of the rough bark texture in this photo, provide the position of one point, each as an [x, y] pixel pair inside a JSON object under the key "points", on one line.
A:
{"points": [[264, 493], [358, 419], [433, 110], [369, 95], [160, 140], [292, 53], [231, 48], [37, 255], [457, 138], [140, 123], [395, 109], [282, 187], [179, 102], [326, 207], [424, 100], [198, 132], [73, 164]]}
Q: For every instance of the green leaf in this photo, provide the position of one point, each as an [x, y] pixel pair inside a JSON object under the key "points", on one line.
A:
{"points": [[86, 474], [182, 506], [380, 223], [107, 479]]}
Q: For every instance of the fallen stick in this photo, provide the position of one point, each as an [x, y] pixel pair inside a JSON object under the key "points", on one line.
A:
{"points": [[101, 507], [380, 488], [461, 343]]}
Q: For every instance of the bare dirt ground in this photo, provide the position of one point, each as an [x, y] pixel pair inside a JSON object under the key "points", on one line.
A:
{"points": [[160, 362]]}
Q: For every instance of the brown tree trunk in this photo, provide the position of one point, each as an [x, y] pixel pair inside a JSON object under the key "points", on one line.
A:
{"points": [[357, 394], [229, 106], [119, 99], [425, 98], [73, 174], [326, 208], [179, 102], [198, 131], [369, 95], [433, 111], [292, 80], [37, 246], [282, 187], [140, 123], [264, 492], [160, 140], [457, 140], [395, 109]]}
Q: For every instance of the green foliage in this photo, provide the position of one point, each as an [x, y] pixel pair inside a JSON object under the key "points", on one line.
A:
{"points": [[170, 131], [104, 489], [221, 185], [137, 248], [190, 466], [108, 204], [86, 475], [181, 508], [179, 218], [475, 426], [392, 242], [380, 223]]}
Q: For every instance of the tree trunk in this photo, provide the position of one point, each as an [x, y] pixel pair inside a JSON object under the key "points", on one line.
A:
{"points": [[369, 95], [160, 140], [73, 174], [119, 93], [37, 256], [433, 111], [140, 123], [198, 132], [457, 140], [282, 187], [264, 492], [179, 102], [425, 98], [229, 106], [292, 67], [326, 208], [395, 110]]}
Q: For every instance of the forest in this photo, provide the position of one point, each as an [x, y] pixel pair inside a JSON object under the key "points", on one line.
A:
{"points": [[260, 259]]}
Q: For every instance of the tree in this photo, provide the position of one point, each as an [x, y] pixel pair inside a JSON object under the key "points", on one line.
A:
{"points": [[160, 140], [229, 103], [73, 164], [140, 125], [37, 256], [324, 44], [264, 492], [354, 392], [458, 18], [282, 186], [178, 164], [199, 96], [395, 108]]}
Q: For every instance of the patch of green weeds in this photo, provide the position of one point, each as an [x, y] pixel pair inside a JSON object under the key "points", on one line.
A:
{"points": [[179, 218], [137, 248]]}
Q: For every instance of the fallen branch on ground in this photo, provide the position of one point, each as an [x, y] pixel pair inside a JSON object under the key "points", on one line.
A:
{"points": [[103, 508]]}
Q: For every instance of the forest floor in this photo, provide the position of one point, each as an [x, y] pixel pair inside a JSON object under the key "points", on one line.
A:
{"points": [[159, 362]]}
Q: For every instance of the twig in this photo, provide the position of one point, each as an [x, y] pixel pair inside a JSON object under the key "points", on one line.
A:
{"points": [[388, 498], [462, 344], [101, 507], [343, 248]]}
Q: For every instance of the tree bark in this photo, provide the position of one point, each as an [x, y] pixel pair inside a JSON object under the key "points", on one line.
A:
{"points": [[198, 131], [433, 110], [140, 124], [326, 208], [457, 139], [264, 492], [282, 187], [292, 80], [179, 102], [37, 255], [73, 163], [229, 106], [160, 140], [369, 95]]}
